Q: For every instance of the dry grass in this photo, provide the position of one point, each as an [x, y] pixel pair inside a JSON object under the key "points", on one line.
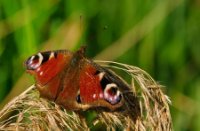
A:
{"points": [[30, 112]]}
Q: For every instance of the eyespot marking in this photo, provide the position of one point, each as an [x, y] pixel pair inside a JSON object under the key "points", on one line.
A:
{"points": [[34, 62], [112, 94], [32, 59]]}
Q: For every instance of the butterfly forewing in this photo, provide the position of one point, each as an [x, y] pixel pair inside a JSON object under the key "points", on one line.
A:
{"points": [[97, 89], [69, 87], [74, 81], [47, 68], [90, 88]]}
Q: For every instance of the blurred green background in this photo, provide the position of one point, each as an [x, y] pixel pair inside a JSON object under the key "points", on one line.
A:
{"points": [[161, 36]]}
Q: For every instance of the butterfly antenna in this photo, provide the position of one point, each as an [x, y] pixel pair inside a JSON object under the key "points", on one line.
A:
{"points": [[81, 28]]}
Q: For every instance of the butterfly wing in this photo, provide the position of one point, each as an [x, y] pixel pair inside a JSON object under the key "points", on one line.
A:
{"points": [[75, 82], [47, 68], [69, 87], [99, 87]]}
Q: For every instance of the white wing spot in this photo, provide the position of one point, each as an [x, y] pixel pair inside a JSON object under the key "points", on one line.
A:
{"points": [[94, 96], [101, 95], [101, 75], [51, 55], [38, 69], [41, 73], [40, 58]]}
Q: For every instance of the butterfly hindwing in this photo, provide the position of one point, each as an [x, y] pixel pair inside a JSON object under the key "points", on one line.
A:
{"points": [[90, 88], [74, 81], [69, 91], [69, 87], [97, 88]]}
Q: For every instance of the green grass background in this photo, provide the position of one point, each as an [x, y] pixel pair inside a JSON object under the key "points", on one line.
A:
{"points": [[161, 37]]}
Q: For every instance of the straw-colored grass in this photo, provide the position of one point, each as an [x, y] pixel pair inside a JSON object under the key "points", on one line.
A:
{"points": [[30, 112]]}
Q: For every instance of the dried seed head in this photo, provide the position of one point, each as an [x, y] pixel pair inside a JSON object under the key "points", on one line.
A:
{"points": [[146, 108]]}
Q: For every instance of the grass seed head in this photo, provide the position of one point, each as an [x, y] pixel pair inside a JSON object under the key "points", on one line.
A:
{"points": [[146, 108]]}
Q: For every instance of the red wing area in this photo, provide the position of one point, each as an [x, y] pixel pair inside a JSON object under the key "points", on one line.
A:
{"points": [[90, 88], [68, 93], [49, 74], [50, 69], [50, 90]]}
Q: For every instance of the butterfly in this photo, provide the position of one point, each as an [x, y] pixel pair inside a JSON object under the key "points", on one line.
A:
{"points": [[76, 82]]}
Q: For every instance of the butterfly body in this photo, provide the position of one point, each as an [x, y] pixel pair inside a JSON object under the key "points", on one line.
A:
{"points": [[75, 82]]}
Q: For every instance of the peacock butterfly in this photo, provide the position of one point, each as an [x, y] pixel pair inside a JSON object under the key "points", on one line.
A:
{"points": [[75, 82]]}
